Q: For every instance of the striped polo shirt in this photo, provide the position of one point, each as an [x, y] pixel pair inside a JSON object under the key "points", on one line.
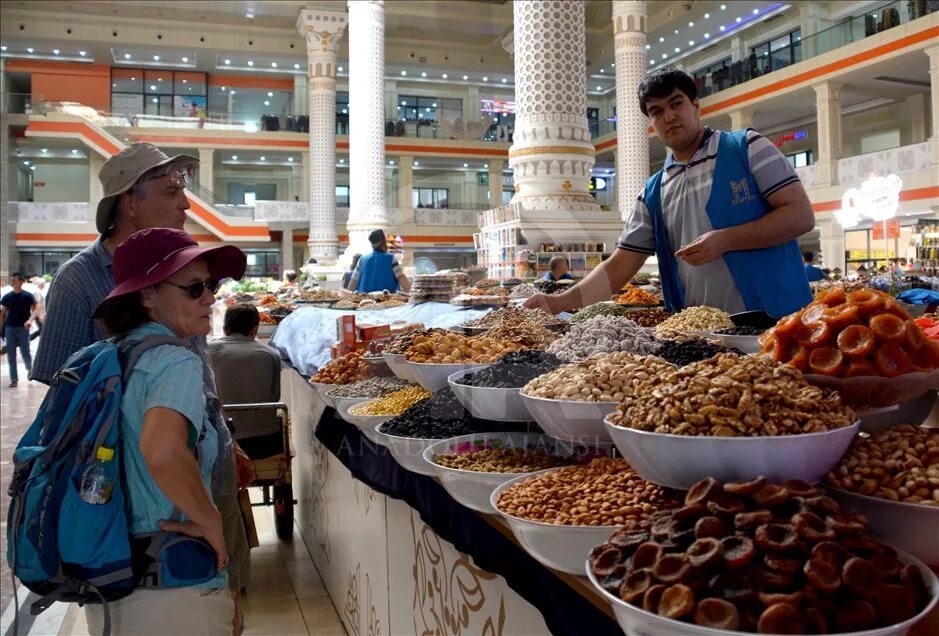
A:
{"points": [[686, 189]]}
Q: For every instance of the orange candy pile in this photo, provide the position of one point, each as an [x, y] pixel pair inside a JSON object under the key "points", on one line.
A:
{"points": [[930, 326], [848, 334], [633, 295]]}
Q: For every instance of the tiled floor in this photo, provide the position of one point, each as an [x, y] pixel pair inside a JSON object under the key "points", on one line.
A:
{"points": [[286, 596]]}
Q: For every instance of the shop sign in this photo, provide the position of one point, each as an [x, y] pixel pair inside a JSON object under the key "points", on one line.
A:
{"points": [[893, 230], [871, 255], [502, 106], [786, 138], [878, 199], [597, 183]]}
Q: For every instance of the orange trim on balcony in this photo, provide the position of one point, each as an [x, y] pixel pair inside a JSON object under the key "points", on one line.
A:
{"points": [[221, 141], [913, 194], [245, 81], [77, 128], [54, 236]]}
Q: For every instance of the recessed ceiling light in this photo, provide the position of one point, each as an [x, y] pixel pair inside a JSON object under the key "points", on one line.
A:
{"points": [[756, 12], [298, 66], [250, 62], [723, 28], [74, 151], [707, 36], [466, 165], [345, 111], [444, 76], [485, 165], [156, 58], [83, 53], [342, 161], [417, 163], [690, 42], [504, 81], [423, 73], [434, 104], [339, 69], [599, 88], [233, 91], [154, 100], [676, 31], [739, 19], [263, 158], [404, 73], [133, 79], [485, 79], [249, 13], [56, 51], [159, 79], [391, 162], [185, 59], [25, 163], [403, 103], [661, 39], [677, 50], [224, 88], [113, 85], [648, 46], [273, 64], [651, 62], [466, 77], [664, 56], [613, 64], [30, 50], [270, 94], [152, 87], [290, 159], [234, 157], [45, 150], [3, 48], [127, 56], [707, 15], [723, 6], [267, 103], [691, 24], [227, 61]]}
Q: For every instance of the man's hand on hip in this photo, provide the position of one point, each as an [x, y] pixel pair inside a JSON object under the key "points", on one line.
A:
{"points": [[708, 247]]}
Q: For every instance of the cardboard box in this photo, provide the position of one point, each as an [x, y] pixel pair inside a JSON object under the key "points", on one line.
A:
{"points": [[345, 330], [371, 332]]}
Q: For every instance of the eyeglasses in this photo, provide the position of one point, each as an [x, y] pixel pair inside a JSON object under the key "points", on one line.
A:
{"points": [[197, 289], [179, 176]]}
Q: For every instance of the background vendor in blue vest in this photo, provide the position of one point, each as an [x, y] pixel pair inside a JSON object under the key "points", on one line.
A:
{"points": [[558, 269], [812, 272], [722, 216], [378, 270]]}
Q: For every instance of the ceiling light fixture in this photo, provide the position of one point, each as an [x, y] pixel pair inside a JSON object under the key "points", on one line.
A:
{"points": [[30, 50], [465, 77], [342, 161], [664, 56], [56, 51], [339, 69], [417, 163], [250, 62], [599, 88], [270, 94], [249, 13], [227, 62], [154, 100], [290, 159], [677, 50], [691, 24], [739, 19], [44, 150], [676, 31], [723, 28], [485, 79], [661, 39], [267, 103], [234, 157], [297, 66], [756, 12], [83, 53], [444, 76], [152, 87], [423, 73], [707, 15], [466, 165], [651, 62], [434, 104], [648, 46], [504, 81], [3, 47], [404, 73], [690, 42], [486, 165], [273, 64], [233, 92], [185, 59], [74, 151], [156, 58], [185, 81], [263, 158], [707, 36], [723, 7], [391, 162]]}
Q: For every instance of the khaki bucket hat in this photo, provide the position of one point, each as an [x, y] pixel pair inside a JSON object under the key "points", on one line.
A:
{"points": [[123, 170]]}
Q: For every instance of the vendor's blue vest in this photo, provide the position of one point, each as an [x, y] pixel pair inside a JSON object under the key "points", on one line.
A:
{"points": [[375, 273], [771, 279]]}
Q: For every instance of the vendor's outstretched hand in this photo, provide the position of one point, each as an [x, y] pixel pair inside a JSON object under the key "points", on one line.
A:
{"points": [[708, 247]]}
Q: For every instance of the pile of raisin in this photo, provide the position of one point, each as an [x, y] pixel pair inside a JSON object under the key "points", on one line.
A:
{"points": [[760, 557]]}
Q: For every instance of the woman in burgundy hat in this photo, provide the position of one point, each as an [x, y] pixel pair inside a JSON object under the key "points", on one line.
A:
{"points": [[165, 286]]}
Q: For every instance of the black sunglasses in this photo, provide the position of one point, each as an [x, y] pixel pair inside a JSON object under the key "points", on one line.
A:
{"points": [[197, 289]]}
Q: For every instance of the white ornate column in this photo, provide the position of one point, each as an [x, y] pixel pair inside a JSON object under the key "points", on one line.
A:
{"points": [[632, 127], [406, 189], [495, 182], [552, 154], [323, 30], [828, 113], [933, 54], [367, 123], [286, 251]]}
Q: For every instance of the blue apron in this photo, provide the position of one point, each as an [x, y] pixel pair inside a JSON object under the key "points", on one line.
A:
{"points": [[375, 273], [771, 279]]}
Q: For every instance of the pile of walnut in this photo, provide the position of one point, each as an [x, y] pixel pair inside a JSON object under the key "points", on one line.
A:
{"points": [[450, 348], [732, 396], [759, 557]]}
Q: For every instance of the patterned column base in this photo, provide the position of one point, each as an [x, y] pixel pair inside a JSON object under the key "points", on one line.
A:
{"points": [[324, 251]]}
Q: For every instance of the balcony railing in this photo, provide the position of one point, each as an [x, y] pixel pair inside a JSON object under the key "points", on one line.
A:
{"points": [[853, 170], [846, 32]]}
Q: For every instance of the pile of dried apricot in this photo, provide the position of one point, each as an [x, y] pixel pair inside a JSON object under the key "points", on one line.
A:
{"points": [[760, 557], [846, 334]]}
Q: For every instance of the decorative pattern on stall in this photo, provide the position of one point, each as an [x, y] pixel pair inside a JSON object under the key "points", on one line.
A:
{"points": [[367, 126], [320, 509], [323, 30], [450, 598], [632, 162], [364, 496], [350, 611], [374, 624], [551, 141]]}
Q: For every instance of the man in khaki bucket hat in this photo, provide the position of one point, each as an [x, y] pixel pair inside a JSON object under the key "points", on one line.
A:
{"points": [[143, 188]]}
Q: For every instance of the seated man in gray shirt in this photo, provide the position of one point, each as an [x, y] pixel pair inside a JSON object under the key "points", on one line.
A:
{"points": [[246, 372]]}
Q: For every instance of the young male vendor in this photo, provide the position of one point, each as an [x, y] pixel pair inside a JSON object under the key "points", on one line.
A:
{"points": [[558, 269], [722, 216]]}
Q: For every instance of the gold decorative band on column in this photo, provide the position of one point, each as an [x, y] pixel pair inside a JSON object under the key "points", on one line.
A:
{"points": [[551, 150]]}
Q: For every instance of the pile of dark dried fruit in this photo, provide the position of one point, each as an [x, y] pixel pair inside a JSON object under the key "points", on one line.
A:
{"points": [[441, 416], [682, 352], [740, 331], [758, 557], [513, 371]]}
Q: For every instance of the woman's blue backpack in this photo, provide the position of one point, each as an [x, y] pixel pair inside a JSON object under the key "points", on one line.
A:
{"points": [[59, 546]]}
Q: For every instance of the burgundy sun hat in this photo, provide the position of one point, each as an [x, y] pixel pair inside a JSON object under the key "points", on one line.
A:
{"points": [[152, 255]]}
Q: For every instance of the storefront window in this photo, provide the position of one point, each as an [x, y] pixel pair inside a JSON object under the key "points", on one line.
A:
{"points": [[157, 92], [342, 196], [779, 52], [800, 159], [430, 197], [263, 264]]}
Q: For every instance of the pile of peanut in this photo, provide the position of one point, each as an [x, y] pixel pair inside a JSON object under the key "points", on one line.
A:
{"points": [[603, 492], [503, 460], [605, 377], [732, 396], [900, 463], [344, 370], [450, 348], [402, 342], [394, 403], [529, 336], [693, 319]]}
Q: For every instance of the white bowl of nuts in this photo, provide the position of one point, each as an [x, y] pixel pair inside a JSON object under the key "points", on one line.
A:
{"points": [[345, 403], [559, 515], [489, 403], [407, 451], [399, 366], [365, 423], [570, 420], [470, 467], [636, 620], [433, 376], [322, 390], [679, 461]]}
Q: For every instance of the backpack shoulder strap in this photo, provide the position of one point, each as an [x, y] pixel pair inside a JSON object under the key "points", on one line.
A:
{"points": [[131, 350]]}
